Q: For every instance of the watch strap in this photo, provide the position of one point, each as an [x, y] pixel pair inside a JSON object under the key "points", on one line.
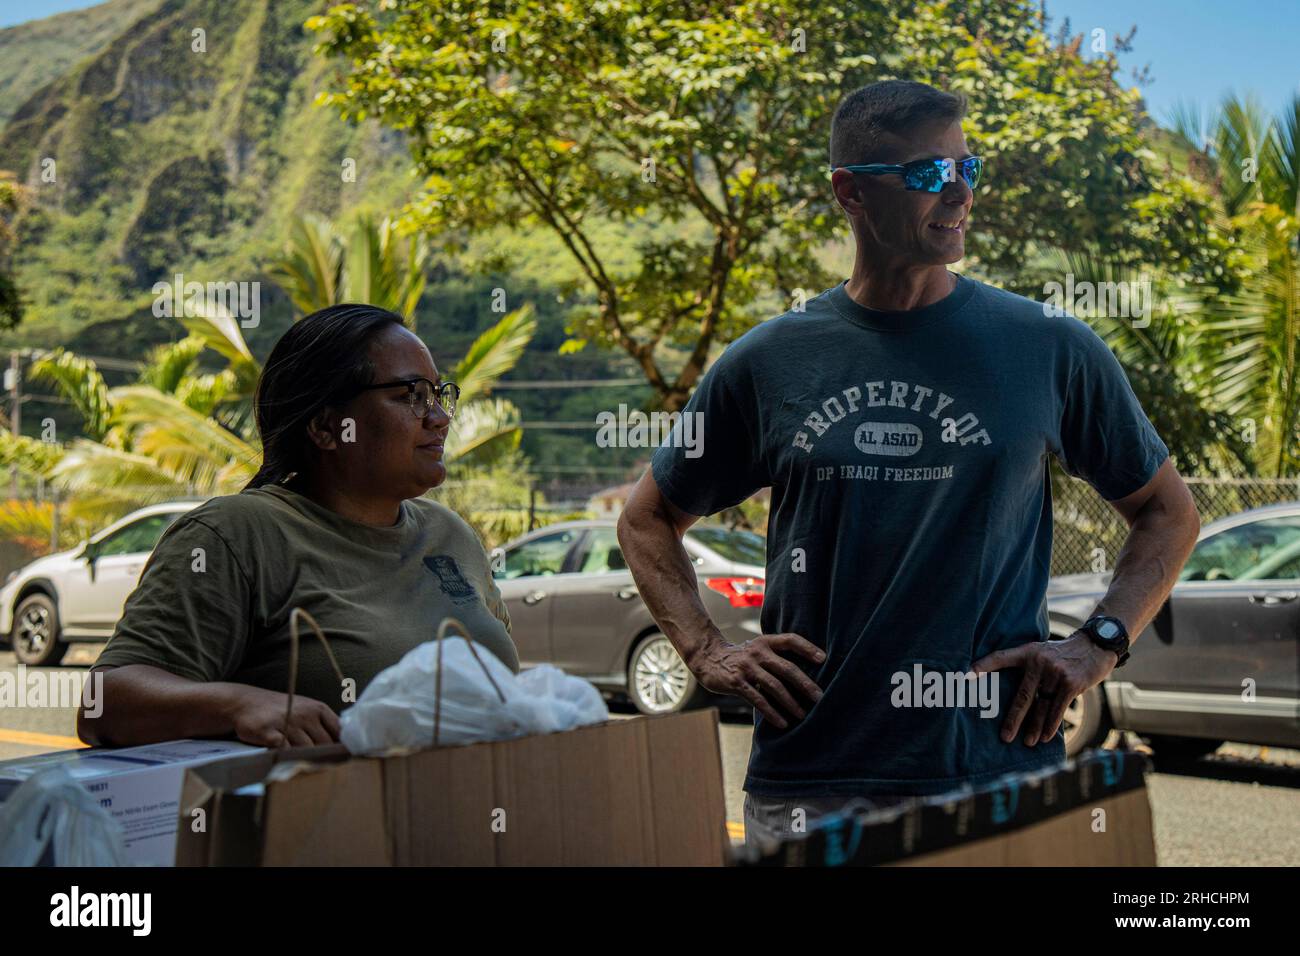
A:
{"points": [[1090, 629]]}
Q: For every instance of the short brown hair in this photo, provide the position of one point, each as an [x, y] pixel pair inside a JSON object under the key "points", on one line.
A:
{"points": [[889, 106]]}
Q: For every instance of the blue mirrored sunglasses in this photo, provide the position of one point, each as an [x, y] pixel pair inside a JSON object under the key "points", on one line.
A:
{"points": [[926, 175]]}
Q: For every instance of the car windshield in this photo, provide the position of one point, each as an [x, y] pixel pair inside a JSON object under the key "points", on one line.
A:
{"points": [[139, 537], [540, 556], [743, 547], [1249, 551]]}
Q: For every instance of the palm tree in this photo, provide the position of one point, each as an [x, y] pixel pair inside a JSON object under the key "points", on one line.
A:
{"points": [[1161, 357], [323, 266], [1251, 345], [1219, 368], [82, 385], [151, 441], [143, 443], [31, 523], [176, 432]]}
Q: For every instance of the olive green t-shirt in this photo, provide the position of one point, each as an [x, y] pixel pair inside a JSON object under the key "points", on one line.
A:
{"points": [[214, 600]]}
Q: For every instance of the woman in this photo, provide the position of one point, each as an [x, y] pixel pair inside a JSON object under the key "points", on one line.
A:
{"points": [[353, 417]]}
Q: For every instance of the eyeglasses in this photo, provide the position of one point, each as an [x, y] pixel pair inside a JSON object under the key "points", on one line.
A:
{"points": [[422, 393], [926, 175]]}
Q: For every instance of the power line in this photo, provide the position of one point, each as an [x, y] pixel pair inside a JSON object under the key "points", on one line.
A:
{"points": [[579, 469], [569, 383], [129, 365], [570, 426], [104, 361], [56, 399]]}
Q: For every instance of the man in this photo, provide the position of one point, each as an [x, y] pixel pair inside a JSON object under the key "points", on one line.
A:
{"points": [[903, 420]]}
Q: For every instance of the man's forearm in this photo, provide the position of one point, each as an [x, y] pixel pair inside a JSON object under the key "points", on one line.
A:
{"points": [[666, 579], [1158, 544]]}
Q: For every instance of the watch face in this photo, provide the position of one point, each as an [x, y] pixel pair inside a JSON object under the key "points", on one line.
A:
{"points": [[1106, 630]]}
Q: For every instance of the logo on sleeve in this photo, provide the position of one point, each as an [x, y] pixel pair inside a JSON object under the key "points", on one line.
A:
{"points": [[451, 580]]}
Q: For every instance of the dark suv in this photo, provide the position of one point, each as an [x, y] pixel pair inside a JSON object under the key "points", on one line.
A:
{"points": [[1221, 660]]}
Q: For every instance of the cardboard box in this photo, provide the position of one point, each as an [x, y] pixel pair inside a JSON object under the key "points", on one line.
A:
{"points": [[1063, 840], [644, 791], [139, 786], [1092, 811], [318, 805]]}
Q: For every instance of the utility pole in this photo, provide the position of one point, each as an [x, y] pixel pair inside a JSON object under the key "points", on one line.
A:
{"points": [[14, 384], [54, 523]]}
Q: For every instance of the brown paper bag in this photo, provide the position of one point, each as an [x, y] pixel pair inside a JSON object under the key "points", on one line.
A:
{"points": [[643, 791]]}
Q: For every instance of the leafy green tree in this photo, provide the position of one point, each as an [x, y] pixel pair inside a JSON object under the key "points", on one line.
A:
{"points": [[12, 199], [1070, 160], [711, 120], [583, 115]]}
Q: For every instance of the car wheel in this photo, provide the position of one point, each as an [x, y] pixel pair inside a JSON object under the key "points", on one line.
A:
{"points": [[1181, 750], [1085, 722], [658, 680], [35, 634]]}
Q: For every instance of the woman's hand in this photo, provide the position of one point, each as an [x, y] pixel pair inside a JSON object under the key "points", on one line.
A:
{"points": [[142, 704], [258, 718]]}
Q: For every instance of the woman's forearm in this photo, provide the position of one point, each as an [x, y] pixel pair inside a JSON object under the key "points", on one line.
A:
{"points": [[139, 704]]}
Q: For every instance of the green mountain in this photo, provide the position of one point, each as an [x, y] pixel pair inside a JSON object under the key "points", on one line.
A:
{"points": [[36, 53], [158, 150], [185, 145]]}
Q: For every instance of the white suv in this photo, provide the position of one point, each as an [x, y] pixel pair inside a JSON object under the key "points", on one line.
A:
{"points": [[78, 595]]}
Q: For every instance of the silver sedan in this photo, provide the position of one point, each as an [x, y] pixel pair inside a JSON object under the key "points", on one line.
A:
{"points": [[573, 603]]}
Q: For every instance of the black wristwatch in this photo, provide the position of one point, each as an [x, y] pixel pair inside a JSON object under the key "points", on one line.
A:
{"points": [[1108, 633]]}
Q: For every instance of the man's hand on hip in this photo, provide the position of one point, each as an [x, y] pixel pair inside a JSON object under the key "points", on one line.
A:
{"points": [[1055, 672], [757, 672]]}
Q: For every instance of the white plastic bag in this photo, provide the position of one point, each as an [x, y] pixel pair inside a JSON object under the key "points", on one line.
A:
{"points": [[551, 700], [51, 809], [398, 707]]}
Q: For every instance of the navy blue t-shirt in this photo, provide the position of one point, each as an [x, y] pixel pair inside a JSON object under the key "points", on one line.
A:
{"points": [[911, 523]]}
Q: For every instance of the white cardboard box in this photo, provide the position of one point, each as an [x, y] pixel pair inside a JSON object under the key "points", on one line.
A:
{"points": [[139, 786]]}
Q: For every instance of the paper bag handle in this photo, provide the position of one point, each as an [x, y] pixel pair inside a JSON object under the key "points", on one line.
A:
{"points": [[294, 615], [437, 701]]}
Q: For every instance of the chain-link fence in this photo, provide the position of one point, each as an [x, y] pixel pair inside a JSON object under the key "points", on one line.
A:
{"points": [[37, 521], [1088, 533]]}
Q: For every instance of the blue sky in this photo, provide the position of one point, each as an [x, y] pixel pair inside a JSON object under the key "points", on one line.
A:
{"points": [[18, 11], [1197, 49]]}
